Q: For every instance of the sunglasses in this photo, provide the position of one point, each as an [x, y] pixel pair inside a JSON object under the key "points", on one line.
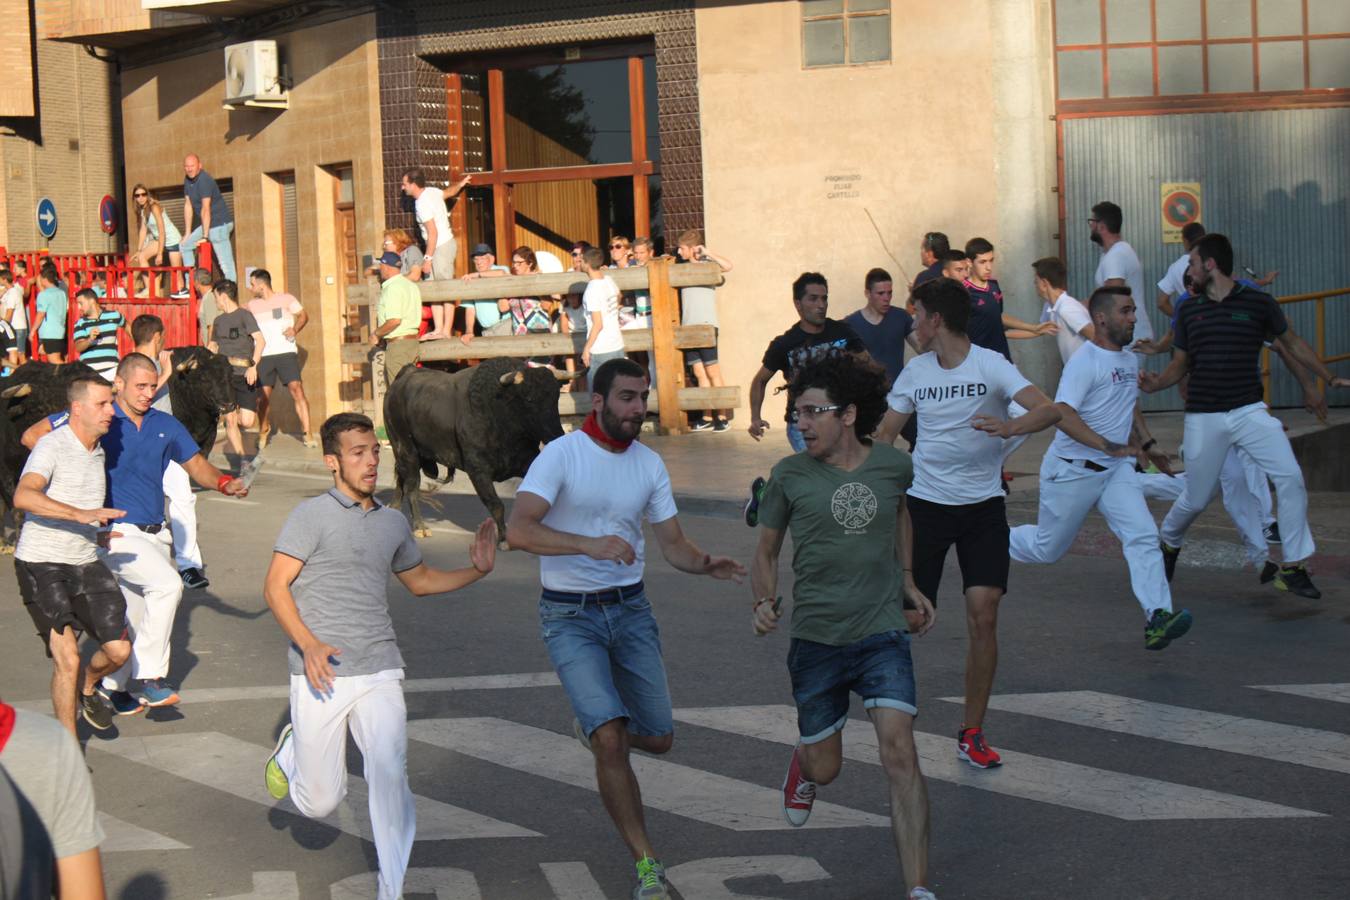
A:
{"points": [[618, 246], [140, 194], [810, 412]]}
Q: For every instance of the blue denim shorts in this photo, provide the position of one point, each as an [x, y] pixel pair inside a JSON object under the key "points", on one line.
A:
{"points": [[877, 668], [608, 658]]}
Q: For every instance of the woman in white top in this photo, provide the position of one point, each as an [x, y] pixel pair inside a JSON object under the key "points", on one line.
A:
{"points": [[157, 235]]}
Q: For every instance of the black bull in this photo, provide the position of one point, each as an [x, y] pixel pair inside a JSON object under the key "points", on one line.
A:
{"points": [[488, 420]]}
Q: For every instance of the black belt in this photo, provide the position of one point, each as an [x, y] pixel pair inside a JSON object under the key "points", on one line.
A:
{"points": [[149, 529], [1085, 464], [609, 595]]}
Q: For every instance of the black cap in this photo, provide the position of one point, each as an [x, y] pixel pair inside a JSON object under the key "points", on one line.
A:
{"points": [[482, 250]]}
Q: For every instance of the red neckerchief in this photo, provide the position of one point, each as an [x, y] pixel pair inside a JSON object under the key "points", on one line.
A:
{"points": [[592, 428], [6, 723]]}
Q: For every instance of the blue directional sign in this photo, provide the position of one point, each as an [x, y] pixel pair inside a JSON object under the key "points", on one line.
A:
{"points": [[46, 218]]}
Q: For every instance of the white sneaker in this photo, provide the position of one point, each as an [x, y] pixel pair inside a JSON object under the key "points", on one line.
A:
{"points": [[922, 893]]}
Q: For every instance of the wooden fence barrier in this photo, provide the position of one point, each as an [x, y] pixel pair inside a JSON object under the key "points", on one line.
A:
{"points": [[666, 339]]}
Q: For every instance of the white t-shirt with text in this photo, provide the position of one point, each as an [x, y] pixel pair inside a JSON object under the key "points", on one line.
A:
{"points": [[955, 464], [602, 296], [578, 478], [1122, 262], [1072, 317], [430, 206], [1103, 387]]}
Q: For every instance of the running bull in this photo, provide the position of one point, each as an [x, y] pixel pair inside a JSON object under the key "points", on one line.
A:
{"points": [[488, 420]]}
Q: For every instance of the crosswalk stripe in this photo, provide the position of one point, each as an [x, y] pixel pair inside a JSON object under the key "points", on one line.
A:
{"points": [[192, 695], [123, 837], [1336, 693], [673, 788], [1193, 727], [236, 767], [1023, 775], [271, 886], [571, 881]]}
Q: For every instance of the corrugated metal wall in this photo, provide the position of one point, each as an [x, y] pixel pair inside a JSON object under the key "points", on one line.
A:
{"points": [[1276, 182]]}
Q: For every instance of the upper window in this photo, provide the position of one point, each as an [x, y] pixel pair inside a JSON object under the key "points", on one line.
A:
{"points": [[1110, 49], [845, 32]]}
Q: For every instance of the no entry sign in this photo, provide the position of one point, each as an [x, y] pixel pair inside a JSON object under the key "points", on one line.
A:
{"points": [[107, 214], [1180, 207]]}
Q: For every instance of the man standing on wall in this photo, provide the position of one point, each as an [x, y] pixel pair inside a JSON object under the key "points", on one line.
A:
{"points": [[433, 217], [204, 204], [280, 317]]}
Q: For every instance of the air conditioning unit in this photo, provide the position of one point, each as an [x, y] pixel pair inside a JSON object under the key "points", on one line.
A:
{"points": [[253, 76]]}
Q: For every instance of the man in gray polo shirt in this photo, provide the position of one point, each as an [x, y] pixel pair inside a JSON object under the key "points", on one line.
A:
{"points": [[327, 587]]}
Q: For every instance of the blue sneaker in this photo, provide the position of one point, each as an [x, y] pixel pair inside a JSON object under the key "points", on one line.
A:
{"points": [[122, 702], [156, 693]]}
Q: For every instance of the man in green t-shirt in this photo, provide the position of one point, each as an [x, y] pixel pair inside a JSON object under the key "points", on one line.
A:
{"points": [[843, 500]]}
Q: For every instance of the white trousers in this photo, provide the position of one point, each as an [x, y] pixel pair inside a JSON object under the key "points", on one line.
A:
{"points": [[182, 517], [152, 587], [1242, 504], [315, 760], [1206, 442], [1068, 493], [1011, 444]]}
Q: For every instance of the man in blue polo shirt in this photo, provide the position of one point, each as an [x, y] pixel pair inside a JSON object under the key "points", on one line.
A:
{"points": [[138, 448]]}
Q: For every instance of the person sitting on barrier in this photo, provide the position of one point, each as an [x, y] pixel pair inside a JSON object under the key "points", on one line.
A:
{"points": [[486, 313], [157, 237]]}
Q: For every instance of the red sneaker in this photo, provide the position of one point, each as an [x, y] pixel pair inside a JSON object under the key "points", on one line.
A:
{"points": [[971, 747], [798, 793]]}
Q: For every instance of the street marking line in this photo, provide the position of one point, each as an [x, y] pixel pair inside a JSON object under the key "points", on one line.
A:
{"points": [[123, 837], [1336, 693], [271, 886], [1180, 725], [237, 501], [1084, 788], [681, 790], [572, 881], [235, 767], [410, 686]]}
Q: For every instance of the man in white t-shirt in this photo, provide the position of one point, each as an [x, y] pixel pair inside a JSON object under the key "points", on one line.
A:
{"points": [[1173, 283], [1070, 317], [1090, 463], [604, 340], [14, 312], [580, 508], [1119, 264], [280, 318], [433, 218], [961, 394]]}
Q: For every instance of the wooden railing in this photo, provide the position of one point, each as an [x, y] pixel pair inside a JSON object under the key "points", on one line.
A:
{"points": [[665, 340], [1319, 341]]}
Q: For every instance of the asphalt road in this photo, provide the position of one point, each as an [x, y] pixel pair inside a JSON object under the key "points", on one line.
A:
{"points": [[1128, 774]]}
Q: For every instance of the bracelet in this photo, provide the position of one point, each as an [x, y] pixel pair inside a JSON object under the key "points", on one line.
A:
{"points": [[1149, 444], [224, 480]]}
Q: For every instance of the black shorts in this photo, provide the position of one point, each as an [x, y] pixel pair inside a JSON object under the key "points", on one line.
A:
{"points": [[85, 597], [705, 355], [280, 368], [53, 345], [980, 533], [245, 394]]}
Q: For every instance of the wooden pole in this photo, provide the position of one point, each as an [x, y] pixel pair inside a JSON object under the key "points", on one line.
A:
{"points": [[669, 360]]}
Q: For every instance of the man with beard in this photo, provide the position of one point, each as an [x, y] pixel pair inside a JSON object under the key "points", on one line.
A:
{"points": [[1090, 464], [1218, 335], [580, 508], [65, 588], [334, 607], [1119, 265]]}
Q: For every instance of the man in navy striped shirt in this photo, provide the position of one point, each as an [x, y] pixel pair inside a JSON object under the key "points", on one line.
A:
{"points": [[1218, 337], [96, 333]]}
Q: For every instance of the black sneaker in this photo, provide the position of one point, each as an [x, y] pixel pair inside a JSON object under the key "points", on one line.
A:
{"points": [[96, 711], [1165, 627], [752, 505], [122, 702], [1268, 572], [194, 578], [1170, 555], [700, 425], [1272, 532], [1295, 580], [721, 425]]}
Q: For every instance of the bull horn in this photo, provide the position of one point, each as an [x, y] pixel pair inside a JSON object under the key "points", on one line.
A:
{"points": [[18, 390], [186, 365], [568, 376], [516, 377]]}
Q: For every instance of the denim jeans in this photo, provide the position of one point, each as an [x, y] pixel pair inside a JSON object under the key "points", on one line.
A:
{"points": [[219, 236], [608, 658], [877, 668]]}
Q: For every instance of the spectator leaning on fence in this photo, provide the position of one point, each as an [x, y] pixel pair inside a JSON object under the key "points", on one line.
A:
{"points": [[96, 334], [604, 340], [486, 313], [204, 204]]}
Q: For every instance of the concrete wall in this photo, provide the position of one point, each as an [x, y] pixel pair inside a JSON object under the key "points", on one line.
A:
{"points": [[65, 152], [841, 169], [175, 108]]}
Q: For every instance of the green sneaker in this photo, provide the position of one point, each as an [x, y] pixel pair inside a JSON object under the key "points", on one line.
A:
{"points": [[752, 505], [277, 784], [1165, 627], [651, 880]]}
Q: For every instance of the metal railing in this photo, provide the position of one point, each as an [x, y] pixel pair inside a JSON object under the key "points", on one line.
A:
{"points": [[1319, 340]]}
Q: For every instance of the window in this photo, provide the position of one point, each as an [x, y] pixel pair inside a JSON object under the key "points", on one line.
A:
{"points": [[845, 32], [1122, 50]]}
